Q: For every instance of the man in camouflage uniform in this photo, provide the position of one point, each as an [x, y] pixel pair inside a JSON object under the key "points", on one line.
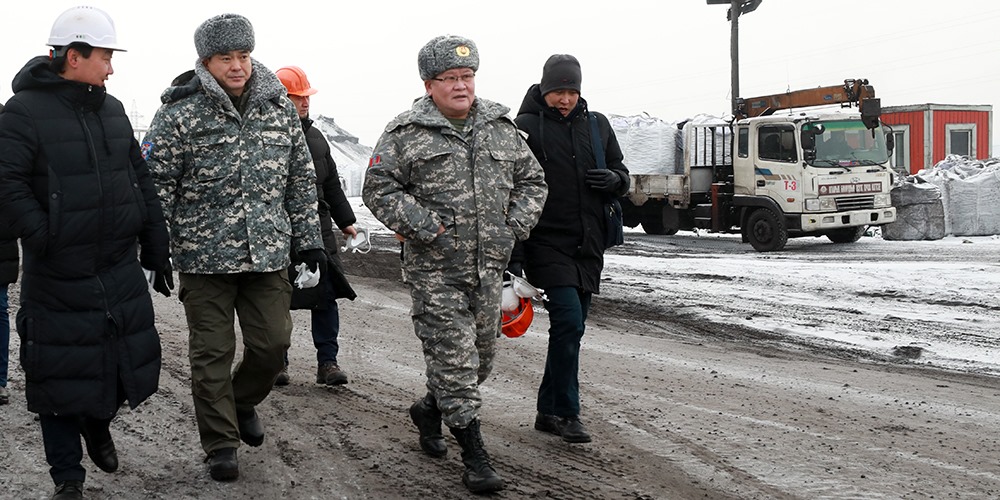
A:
{"points": [[457, 183], [237, 185]]}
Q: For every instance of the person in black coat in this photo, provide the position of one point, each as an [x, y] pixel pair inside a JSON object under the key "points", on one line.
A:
{"points": [[9, 262], [565, 253], [75, 190], [333, 208]]}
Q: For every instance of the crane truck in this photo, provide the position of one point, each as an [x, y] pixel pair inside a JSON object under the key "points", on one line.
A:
{"points": [[771, 177]]}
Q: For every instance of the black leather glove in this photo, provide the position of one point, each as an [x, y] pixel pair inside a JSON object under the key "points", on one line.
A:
{"points": [[163, 282], [602, 179], [315, 258]]}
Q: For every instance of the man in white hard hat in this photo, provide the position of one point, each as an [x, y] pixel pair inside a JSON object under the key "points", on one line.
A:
{"points": [[78, 195]]}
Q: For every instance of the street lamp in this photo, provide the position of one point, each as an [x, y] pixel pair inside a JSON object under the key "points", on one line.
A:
{"points": [[739, 7]]}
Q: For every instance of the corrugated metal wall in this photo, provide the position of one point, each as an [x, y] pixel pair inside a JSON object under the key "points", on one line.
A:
{"points": [[979, 118]]}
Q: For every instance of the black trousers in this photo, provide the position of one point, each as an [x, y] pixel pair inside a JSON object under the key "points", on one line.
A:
{"points": [[61, 438], [559, 392]]}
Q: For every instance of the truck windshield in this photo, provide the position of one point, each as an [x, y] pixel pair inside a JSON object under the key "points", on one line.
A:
{"points": [[846, 143]]}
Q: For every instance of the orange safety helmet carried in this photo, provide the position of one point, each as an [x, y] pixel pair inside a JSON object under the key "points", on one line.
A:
{"points": [[294, 79], [515, 323]]}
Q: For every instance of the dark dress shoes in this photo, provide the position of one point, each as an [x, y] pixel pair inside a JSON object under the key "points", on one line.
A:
{"points": [[251, 429], [100, 446], [223, 465], [572, 431], [569, 428], [68, 490]]}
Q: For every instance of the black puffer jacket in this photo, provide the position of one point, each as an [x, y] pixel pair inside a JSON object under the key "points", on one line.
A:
{"points": [[333, 208], [566, 248], [9, 258], [75, 190]]}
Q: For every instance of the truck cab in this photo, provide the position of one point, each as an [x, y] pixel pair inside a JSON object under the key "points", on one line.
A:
{"points": [[809, 174]]}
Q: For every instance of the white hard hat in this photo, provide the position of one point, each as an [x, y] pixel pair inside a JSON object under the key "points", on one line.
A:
{"points": [[84, 24]]}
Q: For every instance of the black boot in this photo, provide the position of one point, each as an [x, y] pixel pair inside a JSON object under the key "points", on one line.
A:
{"points": [[427, 417], [479, 476]]}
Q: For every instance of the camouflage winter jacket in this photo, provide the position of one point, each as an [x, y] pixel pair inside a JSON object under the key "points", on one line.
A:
{"points": [[483, 185], [238, 191]]}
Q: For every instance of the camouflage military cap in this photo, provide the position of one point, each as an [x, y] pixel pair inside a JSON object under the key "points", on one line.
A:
{"points": [[446, 52]]}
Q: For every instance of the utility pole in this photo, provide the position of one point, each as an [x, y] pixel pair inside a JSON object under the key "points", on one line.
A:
{"points": [[134, 116], [736, 8]]}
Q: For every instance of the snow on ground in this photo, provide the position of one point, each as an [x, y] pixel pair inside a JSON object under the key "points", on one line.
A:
{"points": [[957, 297]]}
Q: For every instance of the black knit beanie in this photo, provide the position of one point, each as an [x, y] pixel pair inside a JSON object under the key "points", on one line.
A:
{"points": [[561, 71]]}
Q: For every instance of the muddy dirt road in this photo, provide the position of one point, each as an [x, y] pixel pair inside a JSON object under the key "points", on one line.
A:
{"points": [[680, 407]]}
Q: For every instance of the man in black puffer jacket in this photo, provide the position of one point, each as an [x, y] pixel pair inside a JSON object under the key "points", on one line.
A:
{"points": [[75, 190], [333, 208], [565, 253]]}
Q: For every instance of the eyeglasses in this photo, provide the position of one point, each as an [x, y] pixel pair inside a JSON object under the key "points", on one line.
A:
{"points": [[451, 80]]}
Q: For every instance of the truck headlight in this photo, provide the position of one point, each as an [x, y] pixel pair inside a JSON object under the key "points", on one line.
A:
{"points": [[883, 200], [828, 204]]}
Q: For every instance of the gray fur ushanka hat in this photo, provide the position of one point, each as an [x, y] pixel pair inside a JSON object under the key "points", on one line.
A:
{"points": [[223, 33], [446, 52]]}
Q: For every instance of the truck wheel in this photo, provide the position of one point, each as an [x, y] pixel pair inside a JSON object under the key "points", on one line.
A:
{"points": [[846, 235], [652, 225], [766, 231]]}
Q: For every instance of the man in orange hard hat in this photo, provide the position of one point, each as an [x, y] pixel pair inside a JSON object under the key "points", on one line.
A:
{"points": [[333, 207]]}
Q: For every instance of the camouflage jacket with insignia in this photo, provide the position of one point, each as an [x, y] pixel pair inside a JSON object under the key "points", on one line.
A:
{"points": [[238, 191], [483, 185]]}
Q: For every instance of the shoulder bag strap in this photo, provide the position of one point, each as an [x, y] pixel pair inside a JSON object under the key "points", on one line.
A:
{"points": [[595, 139]]}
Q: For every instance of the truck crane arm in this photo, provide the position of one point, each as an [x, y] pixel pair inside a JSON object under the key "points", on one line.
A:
{"points": [[852, 92]]}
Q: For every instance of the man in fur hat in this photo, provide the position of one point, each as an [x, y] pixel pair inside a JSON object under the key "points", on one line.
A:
{"points": [[456, 182], [237, 185]]}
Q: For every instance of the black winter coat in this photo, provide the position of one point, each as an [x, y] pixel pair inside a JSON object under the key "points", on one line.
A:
{"points": [[9, 257], [566, 248], [75, 189], [333, 208]]}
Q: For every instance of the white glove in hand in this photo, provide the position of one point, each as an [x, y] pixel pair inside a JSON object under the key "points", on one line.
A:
{"points": [[306, 278], [522, 288], [508, 299]]}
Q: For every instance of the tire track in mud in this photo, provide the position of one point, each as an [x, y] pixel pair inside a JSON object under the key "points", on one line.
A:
{"points": [[359, 418], [576, 471], [401, 468]]}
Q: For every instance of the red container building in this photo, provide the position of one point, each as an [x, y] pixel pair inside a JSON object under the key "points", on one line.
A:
{"points": [[925, 133]]}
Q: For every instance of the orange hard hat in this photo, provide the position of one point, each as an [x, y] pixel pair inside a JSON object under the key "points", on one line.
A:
{"points": [[294, 79], [516, 322]]}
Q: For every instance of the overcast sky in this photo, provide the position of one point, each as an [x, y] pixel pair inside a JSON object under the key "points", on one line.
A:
{"points": [[670, 59]]}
